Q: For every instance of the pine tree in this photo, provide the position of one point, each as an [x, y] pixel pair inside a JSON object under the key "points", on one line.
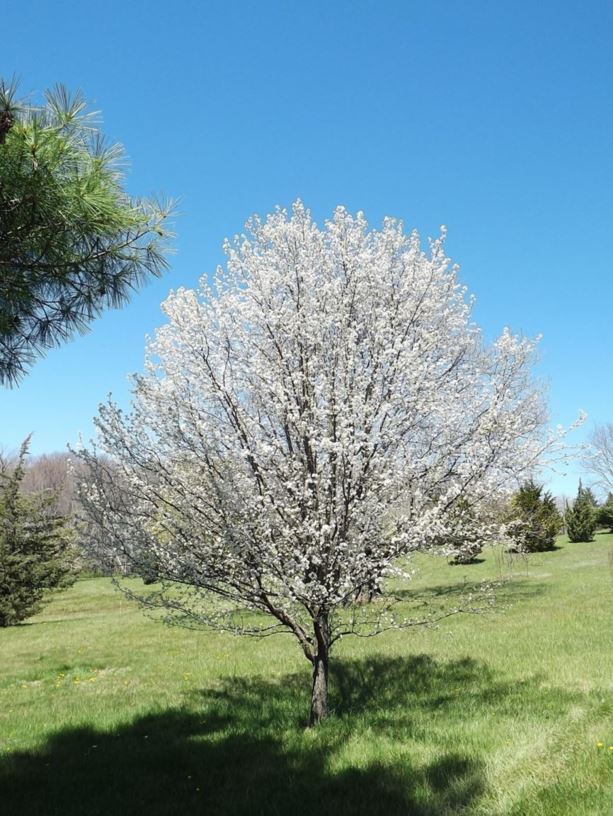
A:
{"points": [[72, 242], [35, 554], [534, 519], [581, 517]]}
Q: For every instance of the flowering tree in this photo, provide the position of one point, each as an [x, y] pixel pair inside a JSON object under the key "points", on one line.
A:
{"points": [[305, 424], [466, 532]]}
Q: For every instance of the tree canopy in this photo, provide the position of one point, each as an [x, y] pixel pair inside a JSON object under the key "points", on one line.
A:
{"points": [[306, 423], [72, 242]]}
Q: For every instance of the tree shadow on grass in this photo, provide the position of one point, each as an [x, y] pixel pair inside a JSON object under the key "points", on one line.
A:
{"points": [[502, 591], [475, 560], [170, 764], [240, 749], [52, 621]]}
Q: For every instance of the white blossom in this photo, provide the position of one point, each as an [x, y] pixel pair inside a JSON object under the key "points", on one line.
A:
{"points": [[308, 420]]}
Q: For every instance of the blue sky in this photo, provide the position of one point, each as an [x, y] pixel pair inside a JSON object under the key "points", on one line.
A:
{"points": [[495, 119]]}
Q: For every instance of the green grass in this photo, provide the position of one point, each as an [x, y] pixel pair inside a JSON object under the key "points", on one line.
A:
{"points": [[103, 711]]}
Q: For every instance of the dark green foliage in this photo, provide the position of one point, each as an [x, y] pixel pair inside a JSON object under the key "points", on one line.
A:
{"points": [[581, 518], [534, 519], [34, 547], [72, 242], [604, 514], [588, 495]]}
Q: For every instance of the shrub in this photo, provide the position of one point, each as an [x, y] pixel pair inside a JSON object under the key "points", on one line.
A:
{"points": [[604, 514], [35, 554], [581, 518], [534, 520]]}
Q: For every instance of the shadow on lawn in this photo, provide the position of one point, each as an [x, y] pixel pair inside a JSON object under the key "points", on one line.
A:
{"points": [[502, 590], [240, 749]]}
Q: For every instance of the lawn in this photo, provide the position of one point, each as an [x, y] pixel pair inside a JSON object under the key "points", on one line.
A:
{"points": [[105, 711]]}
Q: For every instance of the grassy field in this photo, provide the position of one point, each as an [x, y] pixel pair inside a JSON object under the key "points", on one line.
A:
{"points": [[103, 711]]}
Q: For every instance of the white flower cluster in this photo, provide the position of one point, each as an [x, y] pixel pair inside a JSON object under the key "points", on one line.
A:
{"points": [[309, 419]]}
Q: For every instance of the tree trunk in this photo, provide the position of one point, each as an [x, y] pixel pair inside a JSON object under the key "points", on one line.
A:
{"points": [[319, 694]]}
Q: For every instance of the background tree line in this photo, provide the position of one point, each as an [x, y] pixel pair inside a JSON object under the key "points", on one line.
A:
{"points": [[41, 493]]}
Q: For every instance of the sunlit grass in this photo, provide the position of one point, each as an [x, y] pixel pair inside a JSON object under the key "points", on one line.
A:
{"points": [[103, 710]]}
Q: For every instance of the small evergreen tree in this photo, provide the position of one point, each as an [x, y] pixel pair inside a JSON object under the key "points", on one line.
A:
{"points": [[534, 519], [604, 515], [34, 547], [581, 518]]}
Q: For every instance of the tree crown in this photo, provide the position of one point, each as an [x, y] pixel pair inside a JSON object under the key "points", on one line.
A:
{"points": [[310, 419]]}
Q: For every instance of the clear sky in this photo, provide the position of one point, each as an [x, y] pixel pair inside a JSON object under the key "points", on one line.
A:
{"points": [[493, 118]]}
